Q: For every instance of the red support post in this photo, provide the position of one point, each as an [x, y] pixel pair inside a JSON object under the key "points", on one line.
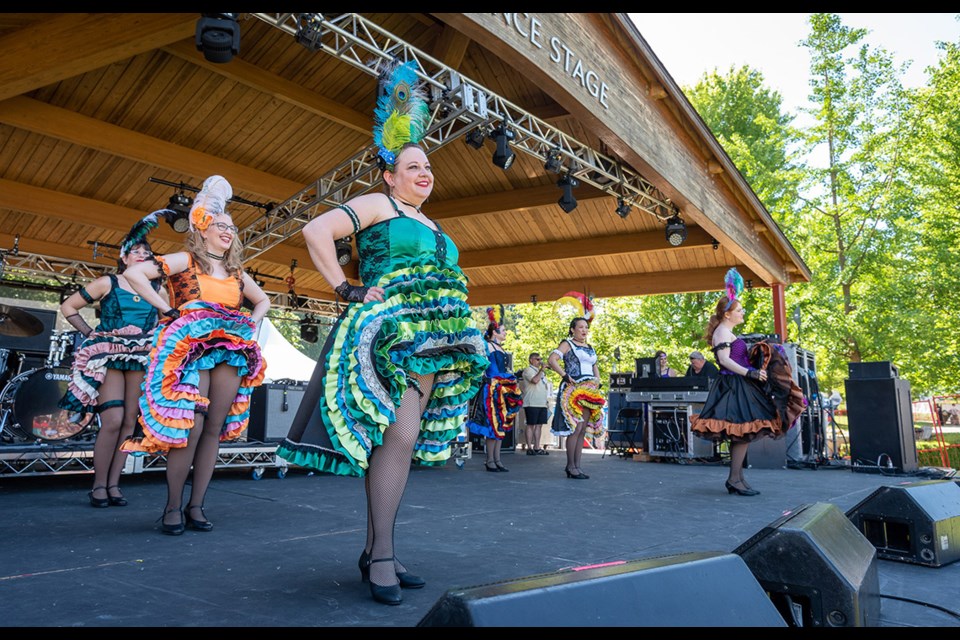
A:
{"points": [[779, 311]]}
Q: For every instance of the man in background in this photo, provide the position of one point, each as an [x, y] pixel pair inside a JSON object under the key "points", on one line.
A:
{"points": [[700, 367], [535, 394]]}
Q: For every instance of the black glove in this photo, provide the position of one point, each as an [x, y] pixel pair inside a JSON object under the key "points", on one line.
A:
{"points": [[351, 293], [753, 374], [173, 313], [568, 379]]}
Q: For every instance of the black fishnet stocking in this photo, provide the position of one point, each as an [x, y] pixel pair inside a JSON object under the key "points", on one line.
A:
{"points": [[738, 453], [387, 479]]}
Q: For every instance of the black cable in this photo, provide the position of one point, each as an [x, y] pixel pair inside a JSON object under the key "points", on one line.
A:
{"points": [[925, 604]]}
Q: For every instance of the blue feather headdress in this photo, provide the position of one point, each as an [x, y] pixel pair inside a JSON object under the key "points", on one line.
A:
{"points": [[401, 114], [733, 282], [139, 231]]}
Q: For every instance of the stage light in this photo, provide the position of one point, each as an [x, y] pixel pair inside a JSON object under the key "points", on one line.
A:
{"points": [[623, 209], [344, 251], [716, 245], [676, 231], [178, 214], [475, 138], [554, 161], [503, 157], [567, 202], [309, 31], [218, 36], [309, 332]]}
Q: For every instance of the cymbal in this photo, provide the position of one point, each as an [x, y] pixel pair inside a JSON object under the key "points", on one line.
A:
{"points": [[18, 323]]}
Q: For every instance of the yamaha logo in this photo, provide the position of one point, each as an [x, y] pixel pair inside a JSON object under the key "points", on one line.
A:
{"points": [[57, 376]]}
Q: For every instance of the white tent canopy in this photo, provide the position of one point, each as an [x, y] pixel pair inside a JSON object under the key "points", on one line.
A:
{"points": [[284, 361]]}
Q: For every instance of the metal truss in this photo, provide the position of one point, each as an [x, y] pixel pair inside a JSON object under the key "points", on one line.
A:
{"points": [[458, 105], [80, 273]]}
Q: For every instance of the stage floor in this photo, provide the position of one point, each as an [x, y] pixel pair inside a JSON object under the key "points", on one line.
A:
{"points": [[284, 551]]}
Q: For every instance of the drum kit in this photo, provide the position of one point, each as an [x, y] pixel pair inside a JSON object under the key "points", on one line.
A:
{"points": [[29, 400]]}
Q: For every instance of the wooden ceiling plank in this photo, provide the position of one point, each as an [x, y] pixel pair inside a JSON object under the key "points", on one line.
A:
{"points": [[69, 44]]}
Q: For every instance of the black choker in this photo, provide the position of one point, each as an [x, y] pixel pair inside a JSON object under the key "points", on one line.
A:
{"points": [[410, 205], [215, 257]]}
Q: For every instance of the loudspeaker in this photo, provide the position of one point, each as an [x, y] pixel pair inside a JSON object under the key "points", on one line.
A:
{"points": [[817, 568], [706, 589], [880, 419], [38, 344], [872, 370], [272, 409], [917, 522]]}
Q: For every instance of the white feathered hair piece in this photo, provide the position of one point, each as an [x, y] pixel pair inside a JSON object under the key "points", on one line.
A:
{"points": [[211, 201]]}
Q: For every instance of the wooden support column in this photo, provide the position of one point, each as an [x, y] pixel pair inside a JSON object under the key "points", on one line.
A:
{"points": [[779, 311]]}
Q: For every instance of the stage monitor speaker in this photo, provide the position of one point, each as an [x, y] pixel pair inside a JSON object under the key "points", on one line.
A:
{"points": [[272, 409], [705, 589], [872, 370], [817, 568], [880, 420], [917, 522], [38, 344]]}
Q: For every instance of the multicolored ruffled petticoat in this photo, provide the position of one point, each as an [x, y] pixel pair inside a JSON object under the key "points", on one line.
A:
{"points": [[423, 326], [204, 336], [125, 349], [495, 407], [578, 402]]}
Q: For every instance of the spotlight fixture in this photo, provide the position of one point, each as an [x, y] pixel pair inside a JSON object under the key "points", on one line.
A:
{"points": [[676, 231], [309, 31], [218, 36], [309, 331], [344, 251], [623, 209], [178, 215], [716, 245], [567, 202], [748, 284], [503, 157], [554, 161], [475, 138]]}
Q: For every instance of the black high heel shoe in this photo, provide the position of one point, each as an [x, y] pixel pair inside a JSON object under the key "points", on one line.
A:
{"points": [[407, 579], [740, 492], [99, 503], [500, 466], [389, 594], [116, 501], [493, 469], [577, 476], [198, 525], [171, 529]]}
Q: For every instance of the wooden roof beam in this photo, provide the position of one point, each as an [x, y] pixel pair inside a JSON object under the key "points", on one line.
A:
{"points": [[635, 284], [69, 44]]}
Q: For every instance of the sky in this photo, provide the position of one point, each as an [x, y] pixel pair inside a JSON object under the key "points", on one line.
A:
{"points": [[690, 44]]}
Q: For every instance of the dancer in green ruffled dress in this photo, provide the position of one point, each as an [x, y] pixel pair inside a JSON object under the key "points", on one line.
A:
{"points": [[396, 373]]}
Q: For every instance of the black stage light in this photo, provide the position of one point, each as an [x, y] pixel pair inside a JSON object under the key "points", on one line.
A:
{"points": [[178, 216], [475, 138], [554, 161], [716, 245], [309, 31], [623, 209], [344, 251], [309, 332], [218, 36], [676, 231], [567, 202], [503, 157]]}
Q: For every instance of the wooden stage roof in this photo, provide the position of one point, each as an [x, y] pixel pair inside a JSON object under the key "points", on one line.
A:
{"points": [[95, 108]]}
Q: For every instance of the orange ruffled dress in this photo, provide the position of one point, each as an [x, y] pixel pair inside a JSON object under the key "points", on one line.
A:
{"points": [[211, 330]]}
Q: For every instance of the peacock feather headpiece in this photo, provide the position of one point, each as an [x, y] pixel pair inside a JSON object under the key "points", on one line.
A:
{"points": [[210, 202], [733, 282], [402, 111], [139, 231]]}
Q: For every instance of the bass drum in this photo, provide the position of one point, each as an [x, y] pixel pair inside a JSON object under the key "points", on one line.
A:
{"points": [[30, 399]]}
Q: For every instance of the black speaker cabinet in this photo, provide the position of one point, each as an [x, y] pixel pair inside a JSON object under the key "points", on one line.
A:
{"points": [[38, 344], [272, 409], [817, 568], [706, 589], [917, 522], [872, 370], [880, 419]]}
